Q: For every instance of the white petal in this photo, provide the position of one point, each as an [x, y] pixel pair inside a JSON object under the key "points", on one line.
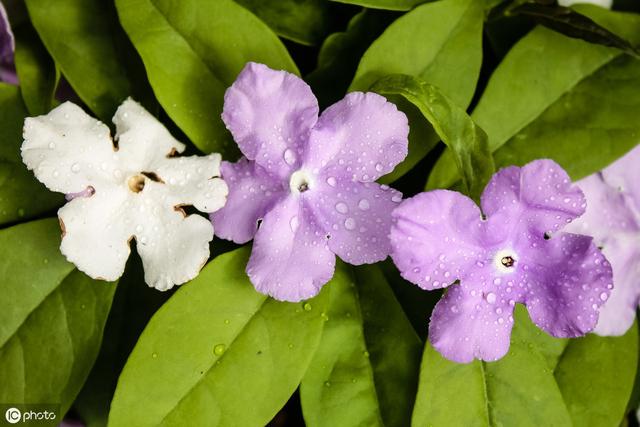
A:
{"points": [[69, 150], [96, 232], [194, 181], [142, 139], [173, 248]]}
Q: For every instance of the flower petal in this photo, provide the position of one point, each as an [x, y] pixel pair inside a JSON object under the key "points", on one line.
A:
{"points": [[357, 217], [69, 150], [290, 260], [96, 233], [539, 196], [611, 220], [270, 114], [466, 326], [193, 181], [361, 137], [143, 142], [624, 174], [567, 280], [619, 311], [438, 237], [7, 41], [173, 247], [252, 193]]}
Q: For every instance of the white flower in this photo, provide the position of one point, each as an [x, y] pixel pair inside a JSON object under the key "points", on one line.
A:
{"points": [[133, 188], [603, 3]]}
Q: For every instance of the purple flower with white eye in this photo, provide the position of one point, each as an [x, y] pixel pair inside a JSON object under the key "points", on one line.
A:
{"points": [[613, 219], [305, 188], [516, 255], [7, 47]]}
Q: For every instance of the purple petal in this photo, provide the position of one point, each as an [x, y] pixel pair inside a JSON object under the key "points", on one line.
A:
{"points": [[567, 279], [270, 114], [610, 219], [357, 216], [252, 193], [361, 137], [438, 237], [539, 196], [624, 174], [290, 260], [466, 325], [7, 41]]}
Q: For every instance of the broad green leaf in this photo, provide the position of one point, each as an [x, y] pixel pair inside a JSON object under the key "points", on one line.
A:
{"points": [[133, 305], [596, 376], [518, 390], [598, 118], [192, 52], [365, 370], [384, 4], [440, 43], [21, 195], [303, 21], [52, 318], [218, 353], [527, 84], [80, 35], [467, 141], [37, 73], [340, 53]]}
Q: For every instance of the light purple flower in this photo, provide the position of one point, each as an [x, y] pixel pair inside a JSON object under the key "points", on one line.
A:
{"points": [[517, 255], [305, 189], [613, 219], [7, 47]]}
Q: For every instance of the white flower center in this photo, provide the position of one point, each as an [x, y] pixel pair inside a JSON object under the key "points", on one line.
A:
{"points": [[300, 181], [505, 261]]}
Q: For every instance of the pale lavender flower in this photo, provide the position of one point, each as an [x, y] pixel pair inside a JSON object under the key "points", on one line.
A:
{"points": [[516, 255], [7, 47], [305, 187], [613, 219]]}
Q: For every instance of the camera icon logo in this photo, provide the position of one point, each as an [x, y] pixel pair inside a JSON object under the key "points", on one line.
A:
{"points": [[13, 415]]}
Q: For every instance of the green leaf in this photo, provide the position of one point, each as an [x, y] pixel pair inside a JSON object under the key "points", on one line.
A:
{"points": [[192, 52], [37, 73], [52, 316], [596, 376], [218, 353], [80, 35], [518, 390], [340, 53], [440, 43], [598, 118], [572, 24], [133, 305], [302, 21], [21, 195], [384, 4], [365, 369], [541, 381], [527, 84], [453, 125]]}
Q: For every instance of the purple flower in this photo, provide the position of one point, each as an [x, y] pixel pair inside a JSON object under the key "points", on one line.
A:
{"points": [[305, 189], [516, 255], [7, 47], [613, 219]]}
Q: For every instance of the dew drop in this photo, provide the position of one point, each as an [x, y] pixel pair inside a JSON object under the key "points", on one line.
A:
{"points": [[363, 204], [289, 156], [604, 296], [379, 167], [219, 349], [306, 306], [342, 208], [75, 168], [331, 181], [52, 145], [491, 298], [294, 223], [349, 223]]}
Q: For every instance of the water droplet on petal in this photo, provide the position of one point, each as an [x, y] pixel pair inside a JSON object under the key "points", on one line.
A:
{"points": [[491, 298], [363, 204], [331, 181], [342, 208], [219, 349], [349, 223], [604, 296], [75, 168], [294, 223], [289, 156]]}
